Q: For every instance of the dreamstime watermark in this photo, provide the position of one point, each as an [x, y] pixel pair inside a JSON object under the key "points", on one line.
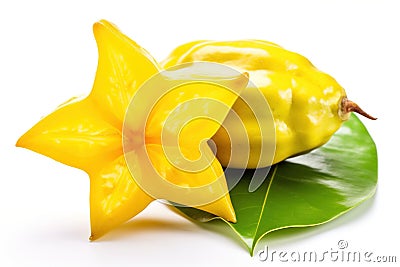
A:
{"points": [[340, 253]]}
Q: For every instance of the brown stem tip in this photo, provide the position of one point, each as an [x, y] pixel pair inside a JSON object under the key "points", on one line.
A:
{"points": [[349, 106]]}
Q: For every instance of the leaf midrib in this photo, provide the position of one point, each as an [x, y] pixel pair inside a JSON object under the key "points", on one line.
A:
{"points": [[263, 206]]}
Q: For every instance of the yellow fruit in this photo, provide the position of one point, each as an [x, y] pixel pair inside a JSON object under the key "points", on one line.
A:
{"points": [[89, 134], [307, 105]]}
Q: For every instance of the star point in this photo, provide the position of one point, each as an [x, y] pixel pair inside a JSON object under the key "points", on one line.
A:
{"points": [[88, 134]]}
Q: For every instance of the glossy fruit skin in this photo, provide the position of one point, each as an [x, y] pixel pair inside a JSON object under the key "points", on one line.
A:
{"points": [[89, 132], [305, 102]]}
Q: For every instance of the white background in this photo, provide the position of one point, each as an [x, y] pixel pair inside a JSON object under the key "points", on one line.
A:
{"points": [[48, 54]]}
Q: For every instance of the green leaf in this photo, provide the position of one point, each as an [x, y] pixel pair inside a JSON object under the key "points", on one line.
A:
{"points": [[307, 190]]}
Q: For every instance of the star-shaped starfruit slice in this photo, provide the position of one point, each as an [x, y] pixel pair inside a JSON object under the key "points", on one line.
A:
{"points": [[160, 142]]}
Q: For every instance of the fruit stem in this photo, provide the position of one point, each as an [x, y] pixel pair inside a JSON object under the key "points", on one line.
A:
{"points": [[349, 106]]}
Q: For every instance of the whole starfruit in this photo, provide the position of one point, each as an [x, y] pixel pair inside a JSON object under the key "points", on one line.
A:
{"points": [[307, 105]]}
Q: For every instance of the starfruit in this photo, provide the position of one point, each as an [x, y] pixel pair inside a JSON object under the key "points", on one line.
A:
{"points": [[87, 133], [307, 105]]}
